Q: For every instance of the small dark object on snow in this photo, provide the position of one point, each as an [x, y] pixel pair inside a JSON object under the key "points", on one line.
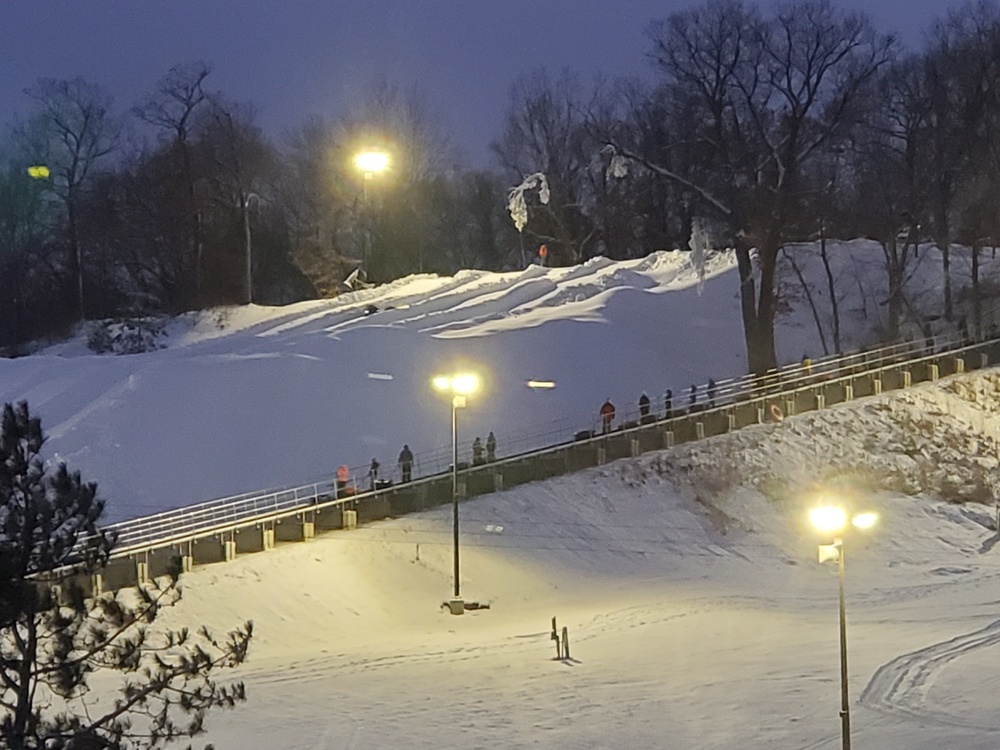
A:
{"points": [[369, 310], [468, 605]]}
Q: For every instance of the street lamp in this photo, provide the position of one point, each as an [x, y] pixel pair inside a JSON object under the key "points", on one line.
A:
{"points": [[248, 254], [829, 519], [459, 386], [369, 163]]}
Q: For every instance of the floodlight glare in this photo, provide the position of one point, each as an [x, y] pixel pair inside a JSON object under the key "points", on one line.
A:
{"points": [[541, 384], [372, 161], [865, 520], [828, 519], [465, 383], [441, 383]]}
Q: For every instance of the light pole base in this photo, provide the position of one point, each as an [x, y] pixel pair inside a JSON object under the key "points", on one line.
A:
{"points": [[456, 605]]}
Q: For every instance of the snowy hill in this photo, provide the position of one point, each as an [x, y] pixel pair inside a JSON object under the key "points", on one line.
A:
{"points": [[698, 615], [252, 398]]}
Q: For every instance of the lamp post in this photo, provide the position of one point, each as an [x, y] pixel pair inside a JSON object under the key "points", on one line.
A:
{"points": [[834, 520], [245, 206], [459, 386], [369, 163]]}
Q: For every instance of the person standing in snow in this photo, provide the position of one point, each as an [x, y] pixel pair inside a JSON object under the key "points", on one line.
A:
{"points": [[711, 393], [477, 452], [491, 448], [668, 404], [373, 473], [643, 408], [406, 463], [607, 416]]}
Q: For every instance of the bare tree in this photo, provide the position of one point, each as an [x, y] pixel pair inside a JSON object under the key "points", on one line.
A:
{"points": [[71, 132], [240, 164], [173, 107], [768, 94], [546, 133]]}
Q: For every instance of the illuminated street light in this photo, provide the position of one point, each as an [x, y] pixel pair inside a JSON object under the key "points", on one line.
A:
{"points": [[829, 519], [459, 386], [38, 172], [369, 163]]}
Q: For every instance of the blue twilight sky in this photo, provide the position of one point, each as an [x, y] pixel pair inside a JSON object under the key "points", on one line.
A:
{"points": [[296, 58]]}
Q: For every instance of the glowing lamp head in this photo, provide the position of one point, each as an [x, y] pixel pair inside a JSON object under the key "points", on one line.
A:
{"points": [[865, 520], [38, 172], [465, 383], [461, 384], [828, 519], [372, 161]]}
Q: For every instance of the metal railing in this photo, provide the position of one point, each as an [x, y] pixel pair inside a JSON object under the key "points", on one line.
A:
{"points": [[229, 514]]}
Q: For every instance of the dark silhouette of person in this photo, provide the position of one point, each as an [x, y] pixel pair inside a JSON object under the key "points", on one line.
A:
{"points": [[406, 463], [643, 405], [477, 452], [694, 393], [491, 448], [711, 393], [668, 404], [607, 416], [373, 473]]}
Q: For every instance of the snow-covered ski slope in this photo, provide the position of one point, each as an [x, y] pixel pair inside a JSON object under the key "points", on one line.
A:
{"points": [[250, 398]]}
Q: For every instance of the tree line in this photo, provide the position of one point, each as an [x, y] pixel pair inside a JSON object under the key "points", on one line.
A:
{"points": [[758, 128]]}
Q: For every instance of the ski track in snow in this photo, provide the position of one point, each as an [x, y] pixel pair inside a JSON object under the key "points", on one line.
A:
{"points": [[903, 685]]}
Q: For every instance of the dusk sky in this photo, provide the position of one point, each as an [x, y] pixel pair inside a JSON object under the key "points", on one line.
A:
{"points": [[315, 57]]}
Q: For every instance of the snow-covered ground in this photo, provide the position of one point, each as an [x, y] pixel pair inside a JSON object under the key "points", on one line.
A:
{"points": [[698, 615], [252, 398]]}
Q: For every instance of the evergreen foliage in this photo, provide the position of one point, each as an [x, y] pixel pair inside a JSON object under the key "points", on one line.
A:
{"points": [[54, 638]]}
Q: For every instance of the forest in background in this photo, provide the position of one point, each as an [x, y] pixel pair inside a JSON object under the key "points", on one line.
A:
{"points": [[759, 127]]}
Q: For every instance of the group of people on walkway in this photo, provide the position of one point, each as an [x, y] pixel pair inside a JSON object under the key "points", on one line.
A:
{"points": [[482, 453], [478, 458], [607, 411]]}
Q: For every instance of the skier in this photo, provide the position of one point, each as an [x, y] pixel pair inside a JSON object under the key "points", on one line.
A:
{"points": [[406, 463], [491, 448]]}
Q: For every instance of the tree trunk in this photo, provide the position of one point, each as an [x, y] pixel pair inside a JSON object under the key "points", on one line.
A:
{"points": [[895, 269], [812, 302], [977, 311], [831, 288], [76, 252]]}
